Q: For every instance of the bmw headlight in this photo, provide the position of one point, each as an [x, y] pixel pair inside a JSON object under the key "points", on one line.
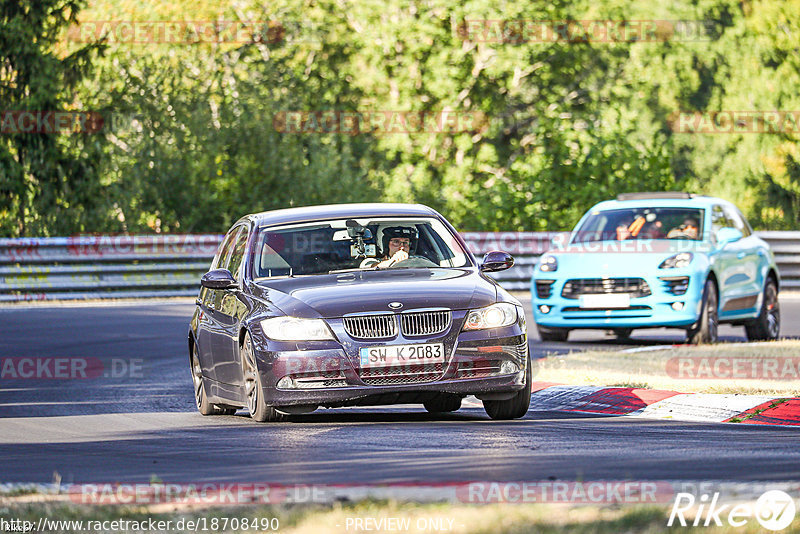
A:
{"points": [[295, 329], [548, 263], [677, 261], [494, 316]]}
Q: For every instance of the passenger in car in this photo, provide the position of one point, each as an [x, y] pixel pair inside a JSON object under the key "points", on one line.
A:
{"points": [[623, 228]]}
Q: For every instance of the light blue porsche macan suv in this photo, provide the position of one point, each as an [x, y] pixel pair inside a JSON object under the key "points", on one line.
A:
{"points": [[649, 260]]}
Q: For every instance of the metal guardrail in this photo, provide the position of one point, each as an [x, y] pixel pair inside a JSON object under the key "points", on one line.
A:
{"points": [[104, 266], [122, 266]]}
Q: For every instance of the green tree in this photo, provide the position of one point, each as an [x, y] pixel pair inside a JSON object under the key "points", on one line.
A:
{"points": [[48, 183]]}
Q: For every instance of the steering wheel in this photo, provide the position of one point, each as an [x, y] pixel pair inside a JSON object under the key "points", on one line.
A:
{"points": [[416, 261]]}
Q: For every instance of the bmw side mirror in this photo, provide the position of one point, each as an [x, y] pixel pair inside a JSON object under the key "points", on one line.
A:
{"points": [[218, 279], [728, 235], [496, 260]]}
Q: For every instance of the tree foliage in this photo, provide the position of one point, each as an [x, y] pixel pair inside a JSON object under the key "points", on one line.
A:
{"points": [[48, 183], [569, 122]]}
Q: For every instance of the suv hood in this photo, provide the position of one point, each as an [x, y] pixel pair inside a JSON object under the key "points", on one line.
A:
{"points": [[614, 258]]}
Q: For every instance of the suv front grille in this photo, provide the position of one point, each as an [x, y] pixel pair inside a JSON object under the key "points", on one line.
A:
{"points": [[371, 326], [425, 323], [636, 287]]}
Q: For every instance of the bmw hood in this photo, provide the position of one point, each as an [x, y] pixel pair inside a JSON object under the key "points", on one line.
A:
{"points": [[336, 295]]}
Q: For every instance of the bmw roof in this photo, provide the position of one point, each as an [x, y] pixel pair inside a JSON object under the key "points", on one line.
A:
{"points": [[339, 211]]}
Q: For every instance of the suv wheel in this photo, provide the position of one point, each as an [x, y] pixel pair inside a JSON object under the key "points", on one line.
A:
{"points": [[767, 325], [552, 334], [705, 330]]}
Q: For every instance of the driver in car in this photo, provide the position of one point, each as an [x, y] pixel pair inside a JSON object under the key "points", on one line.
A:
{"points": [[397, 244], [687, 230]]}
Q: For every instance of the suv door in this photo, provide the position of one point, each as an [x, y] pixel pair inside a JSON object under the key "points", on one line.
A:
{"points": [[724, 257], [748, 264]]}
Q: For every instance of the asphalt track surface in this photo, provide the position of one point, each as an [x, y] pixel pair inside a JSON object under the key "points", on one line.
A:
{"points": [[129, 428]]}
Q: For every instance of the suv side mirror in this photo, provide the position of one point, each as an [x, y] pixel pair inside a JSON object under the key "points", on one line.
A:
{"points": [[496, 260], [218, 279], [728, 235]]}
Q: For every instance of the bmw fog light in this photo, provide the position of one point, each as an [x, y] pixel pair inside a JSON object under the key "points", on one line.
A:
{"points": [[677, 306], [508, 367], [287, 382], [544, 308]]}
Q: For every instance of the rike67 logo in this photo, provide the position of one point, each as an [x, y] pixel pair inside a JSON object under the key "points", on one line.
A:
{"points": [[774, 510]]}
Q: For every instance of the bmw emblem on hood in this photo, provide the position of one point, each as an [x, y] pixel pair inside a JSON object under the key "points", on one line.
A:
{"points": [[395, 305]]}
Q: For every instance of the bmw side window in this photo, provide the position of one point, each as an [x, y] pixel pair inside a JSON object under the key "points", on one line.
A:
{"points": [[237, 254], [219, 262], [224, 248]]}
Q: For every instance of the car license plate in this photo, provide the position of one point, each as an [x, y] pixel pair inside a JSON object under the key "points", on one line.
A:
{"points": [[391, 355], [616, 300]]}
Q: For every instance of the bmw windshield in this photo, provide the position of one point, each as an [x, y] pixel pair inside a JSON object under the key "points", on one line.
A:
{"points": [[323, 247]]}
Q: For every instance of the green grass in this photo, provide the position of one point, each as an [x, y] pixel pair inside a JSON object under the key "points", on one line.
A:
{"points": [[333, 518]]}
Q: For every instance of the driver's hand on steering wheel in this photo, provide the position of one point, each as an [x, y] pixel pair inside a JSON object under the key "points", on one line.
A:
{"points": [[399, 256]]}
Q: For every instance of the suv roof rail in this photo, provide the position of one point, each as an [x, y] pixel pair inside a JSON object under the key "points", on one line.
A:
{"points": [[654, 195]]}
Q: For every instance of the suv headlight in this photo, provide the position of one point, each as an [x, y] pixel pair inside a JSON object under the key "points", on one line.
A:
{"points": [[548, 263], [494, 316], [677, 261], [296, 329]]}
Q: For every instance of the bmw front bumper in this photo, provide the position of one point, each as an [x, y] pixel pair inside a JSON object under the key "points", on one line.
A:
{"points": [[328, 373]]}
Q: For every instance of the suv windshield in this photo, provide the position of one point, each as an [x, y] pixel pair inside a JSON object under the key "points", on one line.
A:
{"points": [[641, 223], [323, 247]]}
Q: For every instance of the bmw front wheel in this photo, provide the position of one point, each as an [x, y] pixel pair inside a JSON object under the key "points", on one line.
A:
{"points": [[253, 388], [515, 407]]}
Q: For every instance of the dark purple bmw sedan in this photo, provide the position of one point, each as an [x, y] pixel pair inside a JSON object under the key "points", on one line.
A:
{"points": [[355, 305]]}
